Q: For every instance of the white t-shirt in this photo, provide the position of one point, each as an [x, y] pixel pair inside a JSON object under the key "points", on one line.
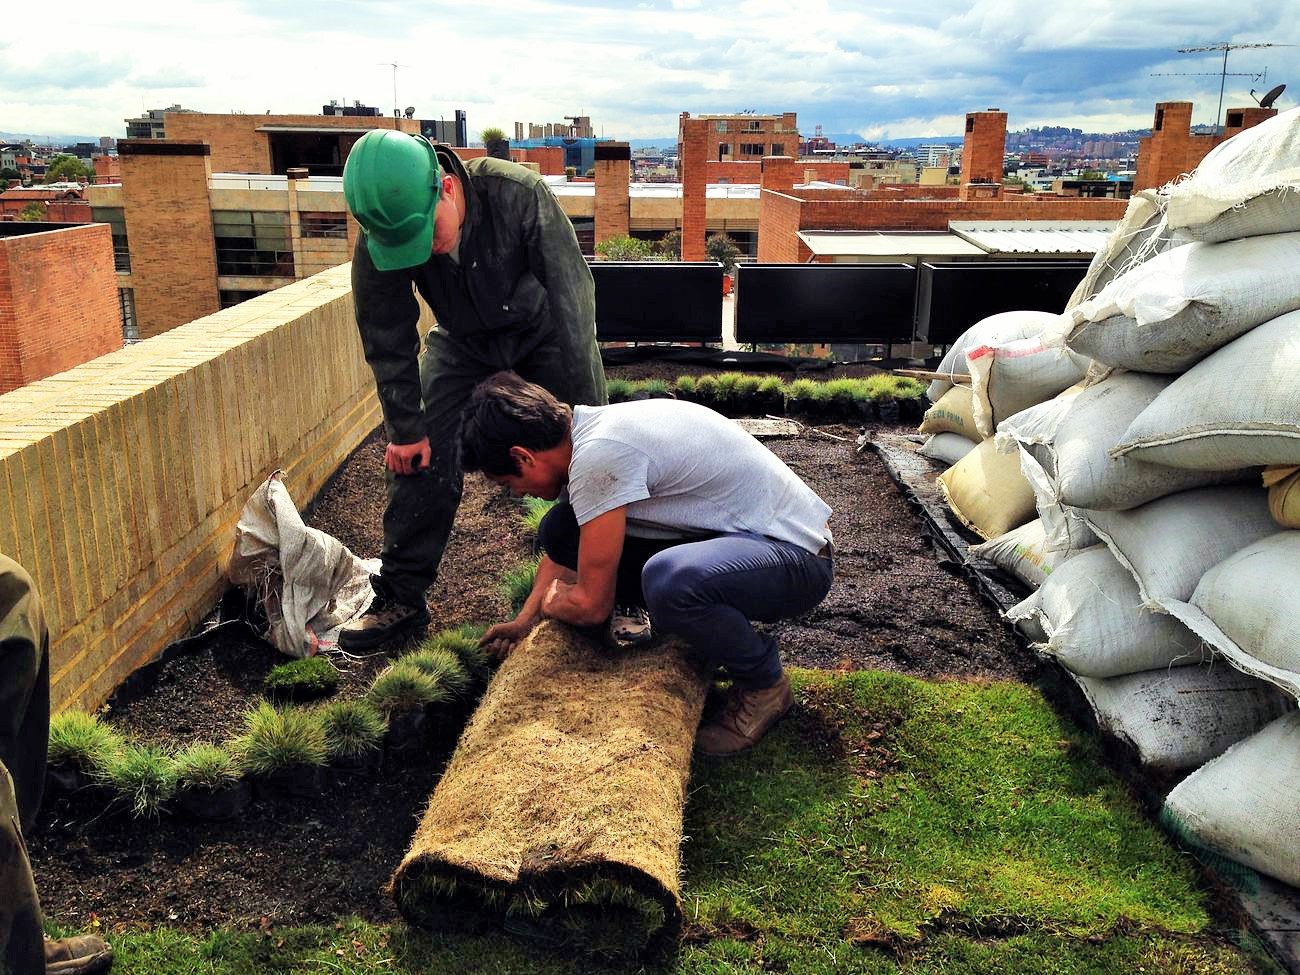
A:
{"points": [[684, 470]]}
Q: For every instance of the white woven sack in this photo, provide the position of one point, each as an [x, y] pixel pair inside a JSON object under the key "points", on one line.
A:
{"points": [[1244, 187], [1170, 543], [1014, 376], [1023, 553], [1178, 719], [1169, 313], [1095, 622], [1141, 234], [1248, 609], [1070, 447], [946, 448], [996, 329], [1243, 804], [1238, 408]]}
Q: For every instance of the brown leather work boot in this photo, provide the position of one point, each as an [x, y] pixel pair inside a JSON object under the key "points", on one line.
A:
{"points": [[747, 717], [382, 621], [83, 955]]}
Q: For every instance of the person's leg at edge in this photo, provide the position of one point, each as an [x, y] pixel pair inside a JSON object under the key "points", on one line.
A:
{"points": [[707, 593], [24, 738], [421, 507]]}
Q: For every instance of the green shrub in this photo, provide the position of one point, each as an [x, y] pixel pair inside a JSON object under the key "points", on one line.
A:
{"points": [[302, 679], [801, 391], [844, 392], [353, 729], [747, 386], [534, 511], [80, 740], [772, 386], [706, 390], [275, 739], [517, 584], [655, 387], [618, 389], [685, 386], [143, 777], [206, 766], [443, 666], [403, 685]]}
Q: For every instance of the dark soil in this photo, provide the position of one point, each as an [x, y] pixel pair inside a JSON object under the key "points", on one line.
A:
{"points": [[312, 861]]}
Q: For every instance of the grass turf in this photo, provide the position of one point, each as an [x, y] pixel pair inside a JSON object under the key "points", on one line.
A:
{"points": [[890, 825]]}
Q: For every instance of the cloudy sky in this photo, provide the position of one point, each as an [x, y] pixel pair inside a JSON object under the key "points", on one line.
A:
{"points": [[884, 69]]}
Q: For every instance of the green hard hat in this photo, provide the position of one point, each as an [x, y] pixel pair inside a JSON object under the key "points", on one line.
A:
{"points": [[392, 182]]}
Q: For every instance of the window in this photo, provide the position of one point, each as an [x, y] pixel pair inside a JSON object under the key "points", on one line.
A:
{"points": [[1160, 119], [1236, 120], [751, 148], [332, 226], [720, 126], [724, 150], [970, 124], [126, 308], [778, 148], [253, 243], [753, 125], [116, 220], [229, 299]]}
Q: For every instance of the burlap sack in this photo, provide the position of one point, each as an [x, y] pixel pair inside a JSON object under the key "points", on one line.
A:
{"points": [[1171, 312], [1283, 485], [1096, 625], [1243, 804], [1178, 719], [953, 413], [562, 806], [987, 492]]}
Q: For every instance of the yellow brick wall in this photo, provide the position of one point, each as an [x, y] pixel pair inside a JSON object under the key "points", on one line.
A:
{"points": [[121, 480]]}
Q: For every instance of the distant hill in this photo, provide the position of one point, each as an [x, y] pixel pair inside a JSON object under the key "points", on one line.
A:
{"points": [[47, 138]]}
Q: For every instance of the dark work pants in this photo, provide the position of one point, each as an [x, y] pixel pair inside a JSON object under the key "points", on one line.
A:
{"points": [[422, 507], [24, 737], [707, 590]]}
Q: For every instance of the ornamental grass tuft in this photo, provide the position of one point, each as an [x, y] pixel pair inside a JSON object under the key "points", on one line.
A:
{"points": [[535, 510], [275, 739], [403, 685], [82, 741], [205, 766], [463, 641], [143, 777], [618, 389], [353, 729], [443, 666], [517, 583]]}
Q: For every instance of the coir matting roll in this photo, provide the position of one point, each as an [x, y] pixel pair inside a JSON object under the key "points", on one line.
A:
{"points": [[559, 817]]}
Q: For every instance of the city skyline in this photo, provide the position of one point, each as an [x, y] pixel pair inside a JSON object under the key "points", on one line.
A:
{"points": [[889, 72]]}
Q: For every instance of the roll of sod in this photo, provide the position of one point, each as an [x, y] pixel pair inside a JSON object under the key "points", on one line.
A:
{"points": [[559, 817]]}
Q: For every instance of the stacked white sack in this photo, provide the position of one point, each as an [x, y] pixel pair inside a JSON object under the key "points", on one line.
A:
{"points": [[997, 329], [1064, 453], [1023, 553], [1243, 805], [1169, 313], [1247, 186], [1246, 607], [1240, 407], [1141, 234]]}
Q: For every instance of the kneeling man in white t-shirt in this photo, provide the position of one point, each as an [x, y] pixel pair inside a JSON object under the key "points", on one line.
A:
{"points": [[665, 505]]}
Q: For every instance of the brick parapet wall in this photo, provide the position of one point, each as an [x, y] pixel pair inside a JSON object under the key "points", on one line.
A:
{"points": [[58, 302], [1173, 149], [694, 136], [613, 193], [121, 480]]}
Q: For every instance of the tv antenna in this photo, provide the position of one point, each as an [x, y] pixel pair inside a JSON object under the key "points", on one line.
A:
{"points": [[1225, 47], [397, 112]]}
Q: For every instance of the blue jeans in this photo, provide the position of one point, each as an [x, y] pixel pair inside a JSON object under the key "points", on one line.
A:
{"points": [[707, 590]]}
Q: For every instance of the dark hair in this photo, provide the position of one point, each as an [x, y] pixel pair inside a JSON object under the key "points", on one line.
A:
{"points": [[504, 411]]}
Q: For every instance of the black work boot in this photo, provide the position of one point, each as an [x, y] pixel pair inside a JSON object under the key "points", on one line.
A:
{"points": [[383, 620]]}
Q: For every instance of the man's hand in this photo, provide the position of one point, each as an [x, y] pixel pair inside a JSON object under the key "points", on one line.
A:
{"points": [[408, 458], [499, 640]]}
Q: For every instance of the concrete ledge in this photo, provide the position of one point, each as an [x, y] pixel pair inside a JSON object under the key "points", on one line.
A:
{"points": [[121, 480]]}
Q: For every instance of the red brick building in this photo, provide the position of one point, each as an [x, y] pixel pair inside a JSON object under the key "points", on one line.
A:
{"points": [[58, 300], [57, 206], [1173, 149]]}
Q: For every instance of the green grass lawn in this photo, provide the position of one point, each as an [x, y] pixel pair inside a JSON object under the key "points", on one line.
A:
{"points": [[890, 825]]}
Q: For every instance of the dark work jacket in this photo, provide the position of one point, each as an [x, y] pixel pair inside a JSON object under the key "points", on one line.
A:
{"points": [[520, 270]]}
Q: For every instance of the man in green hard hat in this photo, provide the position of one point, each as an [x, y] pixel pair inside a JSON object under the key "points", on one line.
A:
{"points": [[486, 246]]}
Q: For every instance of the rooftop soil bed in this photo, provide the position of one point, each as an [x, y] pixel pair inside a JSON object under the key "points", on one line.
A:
{"points": [[324, 862]]}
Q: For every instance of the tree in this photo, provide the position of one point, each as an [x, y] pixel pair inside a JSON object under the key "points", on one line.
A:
{"points": [[722, 249], [670, 245], [33, 212], [626, 249], [492, 134], [8, 172], [67, 167]]}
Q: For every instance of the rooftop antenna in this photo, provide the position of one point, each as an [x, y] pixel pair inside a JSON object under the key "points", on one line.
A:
{"points": [[1270, 97], [1225, 47], [397, 112]]}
